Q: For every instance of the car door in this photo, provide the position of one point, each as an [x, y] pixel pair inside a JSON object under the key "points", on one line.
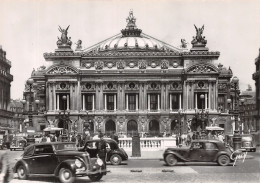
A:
{"points": [[44, 161], [211, 150], [197, 151]]}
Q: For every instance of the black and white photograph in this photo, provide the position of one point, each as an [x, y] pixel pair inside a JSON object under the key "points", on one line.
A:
{"points": [[129, 91]]}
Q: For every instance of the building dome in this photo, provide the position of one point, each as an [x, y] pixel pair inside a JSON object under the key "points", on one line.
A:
{"points": [[131, 39]]}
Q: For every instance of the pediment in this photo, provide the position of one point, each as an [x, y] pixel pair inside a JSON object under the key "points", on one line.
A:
{"points": [[62, 69], [202, 68]]}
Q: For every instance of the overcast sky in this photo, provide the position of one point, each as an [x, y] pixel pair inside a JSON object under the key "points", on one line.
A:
{"points": [[29, 28]]}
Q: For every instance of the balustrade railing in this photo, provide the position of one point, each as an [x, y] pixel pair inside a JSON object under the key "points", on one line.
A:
{"points": [[151, 143]]}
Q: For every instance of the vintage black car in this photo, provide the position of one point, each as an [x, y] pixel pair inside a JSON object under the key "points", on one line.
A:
{"points": [[200, 151], [60, 159], [18, 144], [114, 154]]}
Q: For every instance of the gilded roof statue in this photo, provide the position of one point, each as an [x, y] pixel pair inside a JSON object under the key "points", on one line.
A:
{"points": [[199, 42], [64, 41]]}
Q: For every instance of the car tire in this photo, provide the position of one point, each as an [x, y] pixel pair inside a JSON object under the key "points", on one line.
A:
{"points": [[22, 172], [66, 175], [171, 160], [95, 177], [11, 149], [223, 160], [115, 159]]}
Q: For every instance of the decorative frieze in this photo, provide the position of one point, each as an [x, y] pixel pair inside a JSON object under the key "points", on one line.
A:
{"points": [[62, 69], [110, 86], [132, 86], [154, 86], [87, 86], [176, 85]]}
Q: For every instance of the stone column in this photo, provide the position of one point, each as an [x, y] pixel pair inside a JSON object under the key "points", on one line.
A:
{"points": [[209, 95], [206, 98], [170, 102], [105, 101], [159, 102], [185, 95], [216, 96], [93, 102], [196, 100], [58, 103], [54, 97], [115, 102], [136, 107], [148, 102], [79, 98], [84, 102], [68, 102], [180, 107], [126, 102]]}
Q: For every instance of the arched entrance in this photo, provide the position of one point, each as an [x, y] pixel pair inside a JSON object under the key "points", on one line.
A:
{"points": [[110, 127], [154, 128], [132, 128], [174, 126]]}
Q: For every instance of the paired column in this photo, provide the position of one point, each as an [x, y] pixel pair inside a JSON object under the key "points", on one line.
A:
{"points": [[136, 100], [105, 102], [149, 103], [114, 102], [180, 102], [127, 102], [84, 102]]}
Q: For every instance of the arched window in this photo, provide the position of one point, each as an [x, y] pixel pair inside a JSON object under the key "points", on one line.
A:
{"points": [[132, 128], [110, 127], [154, 128]]}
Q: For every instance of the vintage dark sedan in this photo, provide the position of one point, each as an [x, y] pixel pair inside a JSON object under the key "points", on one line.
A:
{"points": [[114, 154], [60, 159], [200, 151]]}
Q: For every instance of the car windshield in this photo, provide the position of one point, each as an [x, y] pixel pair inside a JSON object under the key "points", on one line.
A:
{"points": [[66, 147]]}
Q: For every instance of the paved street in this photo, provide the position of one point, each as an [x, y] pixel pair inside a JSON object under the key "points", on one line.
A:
{"points": [[141, 170]]}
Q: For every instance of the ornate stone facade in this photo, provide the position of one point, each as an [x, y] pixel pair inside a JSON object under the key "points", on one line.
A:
{"points": [[134, 83], [6, 78]]}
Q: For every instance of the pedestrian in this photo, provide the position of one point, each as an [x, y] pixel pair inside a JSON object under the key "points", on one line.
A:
{"points": [[73, 139], [44, 139], [5, 168], [102, 148], [221, 137], [114, 136]]}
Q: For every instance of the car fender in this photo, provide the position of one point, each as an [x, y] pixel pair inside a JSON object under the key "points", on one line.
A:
{"points": [[21, 162], [69, 163], [221, 153], [176, 154]]}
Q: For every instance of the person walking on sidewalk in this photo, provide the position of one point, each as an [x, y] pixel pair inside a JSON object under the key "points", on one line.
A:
{"points": [[101, 146], [5, 169]]}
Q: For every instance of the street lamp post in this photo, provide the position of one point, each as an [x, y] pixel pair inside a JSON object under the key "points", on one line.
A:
{"points": [[30, 112], [237, 136], [65, 116], [242, 117], [203, 115]]}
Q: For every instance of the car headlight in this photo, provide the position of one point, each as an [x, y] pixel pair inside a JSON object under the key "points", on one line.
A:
{"points": [[78, 163], [99, 162]]}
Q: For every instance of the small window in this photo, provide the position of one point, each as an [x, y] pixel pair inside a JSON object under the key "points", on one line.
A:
{"points": [[197, 145], [210, 146], [43, 149]]}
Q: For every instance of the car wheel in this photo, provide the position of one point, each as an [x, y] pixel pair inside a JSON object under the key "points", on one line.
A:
{"points": [[66, 175], [171, 160], [95, 177], [223, 160], [21, 172], [115, 159], [11, 149]]}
